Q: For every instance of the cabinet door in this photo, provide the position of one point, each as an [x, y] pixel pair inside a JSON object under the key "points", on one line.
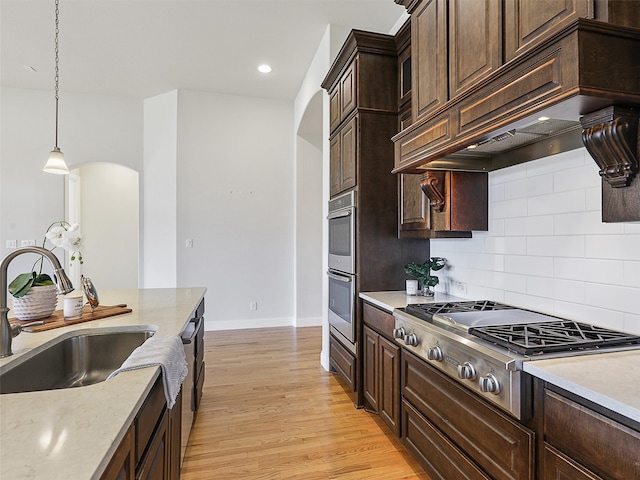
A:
{"points": [[348, 90], [429, 72], [527, 23], [348, 149], [389, 384], [475, 41], [371, 373], [559, 466], [154, 465], [414, 205], [335, 154], [122, 464], [334, 109]]}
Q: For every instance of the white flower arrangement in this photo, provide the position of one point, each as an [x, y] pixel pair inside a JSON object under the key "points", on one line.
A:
{"points": [[61, 234]]}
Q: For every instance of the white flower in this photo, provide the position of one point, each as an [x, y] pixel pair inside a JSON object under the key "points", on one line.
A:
{"points": [[62, 234]]}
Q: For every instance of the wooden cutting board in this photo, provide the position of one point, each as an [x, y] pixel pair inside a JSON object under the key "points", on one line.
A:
{"points": [[56, 320]]}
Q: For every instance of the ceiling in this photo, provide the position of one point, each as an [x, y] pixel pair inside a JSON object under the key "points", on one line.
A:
{"points": [[142, 48]]}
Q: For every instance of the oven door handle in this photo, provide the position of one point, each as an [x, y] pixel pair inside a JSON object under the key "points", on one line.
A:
{"points": [[340, 278], [340, 214]]}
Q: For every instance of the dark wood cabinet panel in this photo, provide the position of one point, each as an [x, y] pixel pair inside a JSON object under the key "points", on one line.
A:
{"points": [[371, 368], [348, 90], [122, 464], [155, 463], [389, 384], [414, 205], [175, 438], [560, 467], [503, 448], [475, 42], [378, 319], [465, 206], [148, 418], [335, 168], [334, 108], [348, 155], [343, 362], [439, 457], [591, 439], [429, 63]]}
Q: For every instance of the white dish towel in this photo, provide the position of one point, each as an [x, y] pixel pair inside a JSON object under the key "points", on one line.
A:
{"points": [[168, 353]]}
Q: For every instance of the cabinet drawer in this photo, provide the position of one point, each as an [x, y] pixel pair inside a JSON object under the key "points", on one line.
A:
{"points": [[603, 445], [438, 456], [343, 362], [501, 446], [199, 387], [378, 319], [559, 466]]}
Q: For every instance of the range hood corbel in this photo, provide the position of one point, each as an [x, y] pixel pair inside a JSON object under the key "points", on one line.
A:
{"points": [[611, 137]]}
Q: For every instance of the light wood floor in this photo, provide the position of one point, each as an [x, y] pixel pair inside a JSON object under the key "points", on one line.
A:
{"points": [[271, 412]]}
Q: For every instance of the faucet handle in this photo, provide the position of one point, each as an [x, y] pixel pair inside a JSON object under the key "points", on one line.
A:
{"points": [[16, 329]]}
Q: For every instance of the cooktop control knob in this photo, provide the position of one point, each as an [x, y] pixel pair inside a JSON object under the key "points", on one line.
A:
{"points": [[399, 332], [435, 354], [489, 384], [411, 340], [466, 371]]}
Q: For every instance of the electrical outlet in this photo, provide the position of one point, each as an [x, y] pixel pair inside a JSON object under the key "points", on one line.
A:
{"points": [[27, 243], [188, 243], [12, 244], [253, 306], [460, 288]]}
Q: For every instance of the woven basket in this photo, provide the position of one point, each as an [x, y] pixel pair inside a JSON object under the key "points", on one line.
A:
{"points": [[39, 302]]}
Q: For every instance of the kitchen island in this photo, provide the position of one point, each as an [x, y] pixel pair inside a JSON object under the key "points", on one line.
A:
{"points": [[73, 433]]}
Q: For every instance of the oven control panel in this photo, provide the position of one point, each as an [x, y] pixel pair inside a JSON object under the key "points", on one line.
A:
{"points": [[489, 373]]}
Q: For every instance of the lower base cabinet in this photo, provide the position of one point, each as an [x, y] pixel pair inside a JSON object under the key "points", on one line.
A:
{"points": [[343, 362], [150, 449], [582, 443]]}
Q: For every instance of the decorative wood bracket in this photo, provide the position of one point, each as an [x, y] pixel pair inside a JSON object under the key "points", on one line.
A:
{"points": [[611, 137], [433, 187]]}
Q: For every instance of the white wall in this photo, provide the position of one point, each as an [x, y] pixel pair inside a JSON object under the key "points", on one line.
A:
{"points": [[111, 240], [93, 128], [547, 248], [159, 192], [235, 201]]}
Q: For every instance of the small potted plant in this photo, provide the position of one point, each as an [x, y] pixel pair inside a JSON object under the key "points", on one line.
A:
{"points": [[34, 293], [422, 272]]}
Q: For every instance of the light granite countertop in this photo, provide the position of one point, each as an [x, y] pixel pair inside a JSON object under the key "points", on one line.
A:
{"points": [[611, 380], [72, 433]]}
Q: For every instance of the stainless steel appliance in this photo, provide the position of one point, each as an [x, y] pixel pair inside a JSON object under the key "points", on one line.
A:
{"points": [[342, 296], [483, 344], [342, 232]]}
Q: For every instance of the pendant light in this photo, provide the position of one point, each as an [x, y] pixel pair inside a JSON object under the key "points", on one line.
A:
{"points": [[56, 163]]}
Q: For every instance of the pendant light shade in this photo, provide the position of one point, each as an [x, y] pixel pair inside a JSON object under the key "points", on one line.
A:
{"points": [[56, 163]]}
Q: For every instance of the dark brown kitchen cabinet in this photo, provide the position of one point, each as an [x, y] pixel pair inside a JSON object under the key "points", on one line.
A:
{"points": [[381, 367], [343, 362], [455, 434], [581, 442], [122, 464], [342, 157]]}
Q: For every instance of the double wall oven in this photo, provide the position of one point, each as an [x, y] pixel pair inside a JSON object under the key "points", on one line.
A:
{"points": [[342, 268]]}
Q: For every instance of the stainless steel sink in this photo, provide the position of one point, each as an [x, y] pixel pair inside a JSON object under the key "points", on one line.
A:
{"points": [[82, 359]]}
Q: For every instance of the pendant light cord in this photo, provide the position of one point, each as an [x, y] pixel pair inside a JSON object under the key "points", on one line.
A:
{"points": [[56, 70]]}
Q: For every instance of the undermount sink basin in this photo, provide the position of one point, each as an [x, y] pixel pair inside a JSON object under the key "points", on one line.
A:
{"points": [[82, 359]]}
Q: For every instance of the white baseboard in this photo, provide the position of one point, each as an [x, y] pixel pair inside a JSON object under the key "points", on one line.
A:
{"points": [[309, 322], [248, 323]]}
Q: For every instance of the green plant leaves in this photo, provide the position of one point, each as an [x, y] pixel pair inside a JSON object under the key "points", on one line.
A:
{"points": [[423, 271], [23, 283]]}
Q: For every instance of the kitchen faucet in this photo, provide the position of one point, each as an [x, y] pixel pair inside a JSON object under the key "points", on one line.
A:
{"points": [[63, 285]]}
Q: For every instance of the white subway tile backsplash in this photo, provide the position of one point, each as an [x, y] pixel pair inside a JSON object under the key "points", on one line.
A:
{"points": [[584, 176], [589, 270], [613, 246], [547, 248], [563, 202], [555, 163], [528, 265], [528, 187], [631, 274], [529, 226], [556, 246], [583, 223], [508, 209]]}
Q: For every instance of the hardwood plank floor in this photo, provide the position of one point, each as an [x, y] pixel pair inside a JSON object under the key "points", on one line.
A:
{"points": [[271, 412]]}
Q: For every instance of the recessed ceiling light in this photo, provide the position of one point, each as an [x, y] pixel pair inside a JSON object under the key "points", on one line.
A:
{"points": [[264, 68], [29, 68], [471, 147], [543, 119]]}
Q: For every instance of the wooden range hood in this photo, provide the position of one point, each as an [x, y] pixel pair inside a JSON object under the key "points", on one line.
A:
{"points": [[585, 79]]}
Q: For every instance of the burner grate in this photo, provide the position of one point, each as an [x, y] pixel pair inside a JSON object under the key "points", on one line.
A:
{"points": [[426, 310], [555, 336]]}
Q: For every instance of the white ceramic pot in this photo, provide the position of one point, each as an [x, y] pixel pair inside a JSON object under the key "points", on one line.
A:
{"points": [[39, 302]]}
